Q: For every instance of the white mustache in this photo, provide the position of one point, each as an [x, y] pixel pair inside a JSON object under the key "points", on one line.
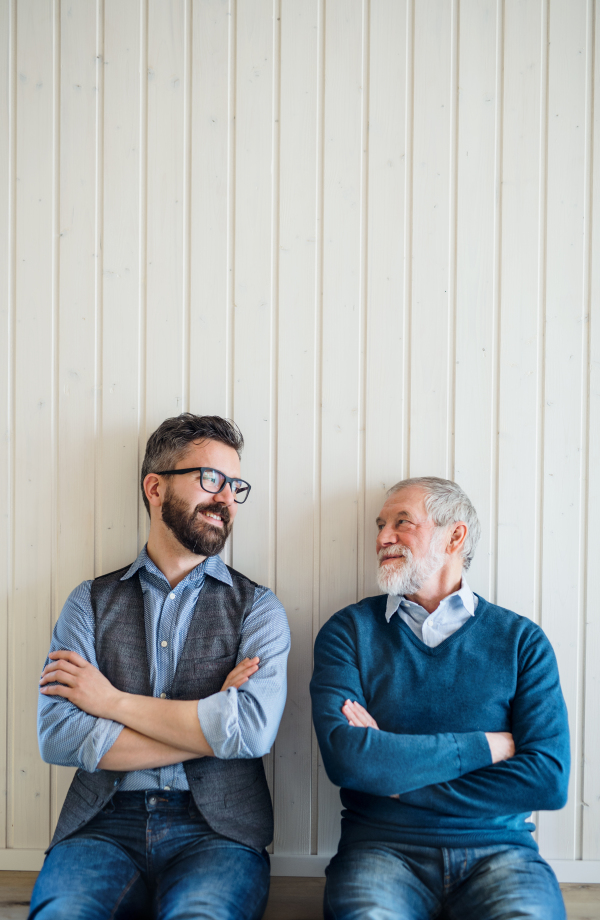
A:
{"points": [[401, 551]]}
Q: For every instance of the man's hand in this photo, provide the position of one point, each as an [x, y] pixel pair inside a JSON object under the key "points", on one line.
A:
{"points": [[241, 673], [358, 716], [501, 745], [80, 683]]}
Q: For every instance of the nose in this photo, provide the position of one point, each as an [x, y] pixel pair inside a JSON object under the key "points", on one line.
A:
{"points": [[386, 537], [225, 495]]}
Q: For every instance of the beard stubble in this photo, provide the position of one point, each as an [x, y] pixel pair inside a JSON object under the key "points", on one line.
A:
{"points": [[191, 530]]}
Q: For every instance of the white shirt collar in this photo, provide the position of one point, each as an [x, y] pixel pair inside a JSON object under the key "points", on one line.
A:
{"points": [[464, 595]]}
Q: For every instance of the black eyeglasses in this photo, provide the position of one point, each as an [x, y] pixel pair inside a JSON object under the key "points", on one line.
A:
{"points": [[215, 481]]}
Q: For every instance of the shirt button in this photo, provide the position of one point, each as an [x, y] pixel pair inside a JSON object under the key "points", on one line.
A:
{"points": [[164, 643], [163, 696], [167, 788], [172, 596]]}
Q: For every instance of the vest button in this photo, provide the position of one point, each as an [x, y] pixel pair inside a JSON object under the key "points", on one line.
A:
{"points": [[152, 801]]}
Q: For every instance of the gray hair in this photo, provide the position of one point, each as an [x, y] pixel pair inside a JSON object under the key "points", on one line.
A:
{"points": [[446, 504], [168, 444]]}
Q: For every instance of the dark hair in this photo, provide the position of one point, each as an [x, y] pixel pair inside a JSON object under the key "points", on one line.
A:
{"points": [[167, 445]]}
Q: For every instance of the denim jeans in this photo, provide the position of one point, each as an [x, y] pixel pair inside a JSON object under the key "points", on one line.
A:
{"points": [[151, 855], [389, 881]]}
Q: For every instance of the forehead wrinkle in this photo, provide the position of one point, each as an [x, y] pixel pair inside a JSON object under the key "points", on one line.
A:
{"points": [[395, 514]]}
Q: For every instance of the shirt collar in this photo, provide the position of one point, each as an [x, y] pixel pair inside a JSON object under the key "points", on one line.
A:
{"points": [[463, 596], [212, 565]]}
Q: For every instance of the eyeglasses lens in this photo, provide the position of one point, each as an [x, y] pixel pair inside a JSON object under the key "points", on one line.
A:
{"points": [[212, 480], [240, 490]]}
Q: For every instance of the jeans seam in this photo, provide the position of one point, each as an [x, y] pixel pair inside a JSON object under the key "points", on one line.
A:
{"points": [[124, 893], [446, 868]]}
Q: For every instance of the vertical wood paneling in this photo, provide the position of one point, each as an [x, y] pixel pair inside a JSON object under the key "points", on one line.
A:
{"points": [[116, 509], [521, 305], [341, 327], [210, 332], [363, 229], [477, 224], [33, 575], [254, 320], [566, 322], [298, 354], [79, 255], [591, 760], [386, 401], [6, 358], [166, 344], [431, 314]]}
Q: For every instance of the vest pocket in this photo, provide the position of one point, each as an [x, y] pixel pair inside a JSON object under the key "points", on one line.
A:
{"points": [[80, 789]]}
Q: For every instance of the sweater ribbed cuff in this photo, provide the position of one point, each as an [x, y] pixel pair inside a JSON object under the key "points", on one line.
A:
{"points": [[473, 751]]}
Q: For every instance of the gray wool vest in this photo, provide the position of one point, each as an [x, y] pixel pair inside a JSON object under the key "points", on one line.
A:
{"points": [[232, 795]]}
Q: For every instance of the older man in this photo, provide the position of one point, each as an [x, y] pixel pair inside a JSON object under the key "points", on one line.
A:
{"points": [[441, 717], [165, 685]]}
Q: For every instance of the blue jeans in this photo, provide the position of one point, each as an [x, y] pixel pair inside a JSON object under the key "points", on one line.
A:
{"points": [[389, 881], [151, 854]]}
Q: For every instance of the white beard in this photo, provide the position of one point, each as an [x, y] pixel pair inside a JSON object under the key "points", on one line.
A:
{"points": [[408, 576]]}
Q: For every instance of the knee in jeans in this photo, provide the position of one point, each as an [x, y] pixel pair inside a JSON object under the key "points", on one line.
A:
{"points": [[63, 908]]}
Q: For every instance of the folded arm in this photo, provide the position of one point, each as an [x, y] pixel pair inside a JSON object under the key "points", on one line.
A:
{"points": [[530, 774], [133, 751], [366, 759], [173, 724], [240, 722], [537, 777], [67, 736]]}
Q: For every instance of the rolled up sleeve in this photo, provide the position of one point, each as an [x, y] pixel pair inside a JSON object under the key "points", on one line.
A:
{"points": [[67, 736], [243, 723]]}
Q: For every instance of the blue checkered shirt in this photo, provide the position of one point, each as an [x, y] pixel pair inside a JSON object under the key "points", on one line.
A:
{"points": [[236, 723]]}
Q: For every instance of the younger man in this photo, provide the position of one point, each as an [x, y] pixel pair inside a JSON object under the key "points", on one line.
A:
{"points": [[165, 685]]}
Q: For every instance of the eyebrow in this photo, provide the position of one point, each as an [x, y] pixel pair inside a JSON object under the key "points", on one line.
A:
{"points": [[406, 514]]}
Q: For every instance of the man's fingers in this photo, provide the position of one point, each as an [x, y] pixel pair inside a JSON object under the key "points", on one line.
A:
{"points": [[60, 665], [354, 716], [64, 677], [238, 682], [241, 673], [60, 689], [357, 715], [245, 665], [68, 656]]}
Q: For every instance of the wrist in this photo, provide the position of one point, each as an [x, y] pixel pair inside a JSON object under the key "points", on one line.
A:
{"points": [[116, 705]]}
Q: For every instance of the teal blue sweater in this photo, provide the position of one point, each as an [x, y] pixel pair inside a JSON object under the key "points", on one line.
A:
{"points": [[496, 673]]}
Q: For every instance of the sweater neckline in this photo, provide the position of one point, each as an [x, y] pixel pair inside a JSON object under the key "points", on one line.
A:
{"points": [[455, 637]]}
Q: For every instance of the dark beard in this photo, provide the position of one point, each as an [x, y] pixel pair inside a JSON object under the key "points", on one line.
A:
{"points": [[193, 532]]}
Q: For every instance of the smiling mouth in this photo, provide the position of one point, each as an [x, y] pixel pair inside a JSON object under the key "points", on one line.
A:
{"points": [[215, 519], [392, 559]]}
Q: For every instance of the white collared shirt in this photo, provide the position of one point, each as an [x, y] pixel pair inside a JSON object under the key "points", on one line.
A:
{"points": [[433, 628]]}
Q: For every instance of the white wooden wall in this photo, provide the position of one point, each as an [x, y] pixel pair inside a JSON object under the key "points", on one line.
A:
{"points": [[365, 229]]}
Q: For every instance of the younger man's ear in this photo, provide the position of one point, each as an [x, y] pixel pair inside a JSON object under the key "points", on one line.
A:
{"points": [[153, 489]]}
